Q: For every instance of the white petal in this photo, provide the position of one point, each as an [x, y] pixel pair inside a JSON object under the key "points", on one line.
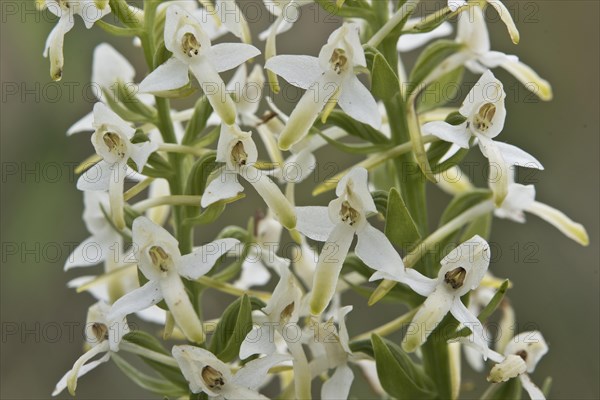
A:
{"points": [[253, 374], [224, 186], [329, 266], [413, 41], [98, 291], [314, 223], [493, 59], [465, 317], [140, 153], [153, 314], [260, 340], [338, 386], [356, 184], [530, 79], [171, 75], [90, 252], [62, 384], [457, 134], [254, 273], [519, 198], [430, 314], [358, 102], [472, 255], [97, 177], [104, 116], [136, 300], [83, 125], [506, 18], [374, 248], [474, 358], [561, 221], [226, 56], [214, 88], [300, 71], [233, 18], [513, 155], [110, 66], [498, 177], [271, 194], [534, 392], [193, 266]]}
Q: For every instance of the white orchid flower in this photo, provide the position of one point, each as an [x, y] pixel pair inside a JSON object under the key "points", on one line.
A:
{"points": [[109, 68], [262, 254], [112, 142], [521, 199], [477, 55], [522, 353], [205, 373], [328, 78], [461, 271], [192, 51], [485, 112], [237, 150], [161, 262], [89, 10], [336, 225], [277, 325], [103, 335]]}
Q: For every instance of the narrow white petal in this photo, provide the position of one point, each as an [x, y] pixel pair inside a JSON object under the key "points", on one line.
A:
{"points": [[224, 186], [74, 374], [507, 19], [534, 392], [374, 248], [358, 102], [193, 266], [338, 386], [356, 184], [110, 66], [136, 300], [493, 59], [561, 221], [329, 266], [87, 254], [300, 71], [457, 134], [171, 75], [226, 56], [513, 155], [83, 125], [314, 223], [54, 46], [466, 318], [530, 79], [254, 373], [97, 177], [62, 384], [214, 88]]}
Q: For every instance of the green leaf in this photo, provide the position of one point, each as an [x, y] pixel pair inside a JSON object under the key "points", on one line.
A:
{"points": [[196, 124], [429, 60], [464, 201], [384, 81], [355, 128], [400, 227], [441, 91], [118, 30], [198, 176], [234, 325], [505, 390], [380, 198], [399, 376], [150, 383], [145, 340]]}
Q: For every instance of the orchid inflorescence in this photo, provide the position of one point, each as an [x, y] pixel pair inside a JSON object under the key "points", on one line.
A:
{"points": [[298, 332]]}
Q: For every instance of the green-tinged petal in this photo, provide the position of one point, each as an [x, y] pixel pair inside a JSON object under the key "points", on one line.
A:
{"points": [[530, 79], [180, 306], [427, 318], [570, 228], [507, 19], [76, 371], [214, 89], [329, 266]]}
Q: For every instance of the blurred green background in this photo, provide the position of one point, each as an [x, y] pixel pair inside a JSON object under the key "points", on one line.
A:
{"points": [[555, 290]]}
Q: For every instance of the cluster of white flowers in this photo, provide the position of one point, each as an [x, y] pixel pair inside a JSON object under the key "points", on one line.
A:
{"points": [[298, 332]]}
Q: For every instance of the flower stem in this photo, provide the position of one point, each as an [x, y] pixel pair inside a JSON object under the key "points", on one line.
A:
{"points": [[403, 12]]}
